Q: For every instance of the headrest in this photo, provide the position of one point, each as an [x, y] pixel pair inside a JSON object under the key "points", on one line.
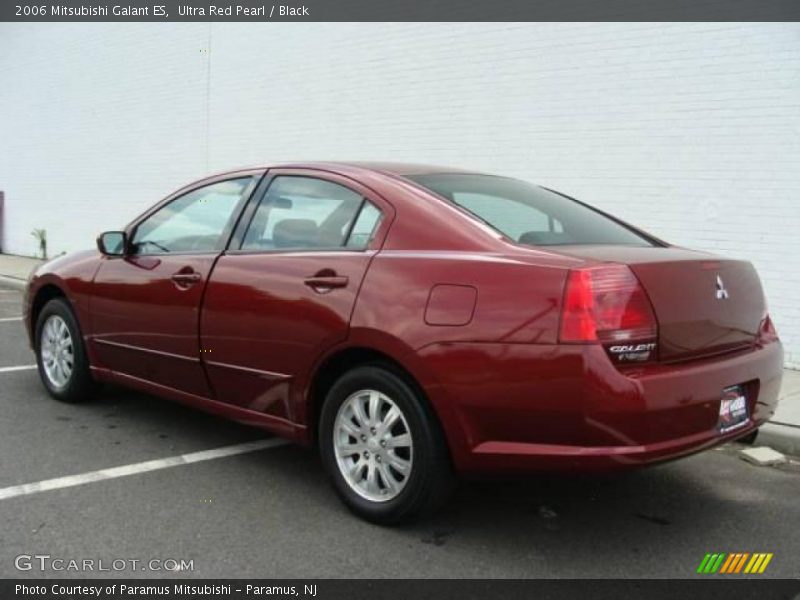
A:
{"points": [[295, 233], [546, 238]]}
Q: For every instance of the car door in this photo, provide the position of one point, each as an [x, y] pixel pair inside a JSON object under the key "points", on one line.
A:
{"points": [[145, 305], [284, 291]]}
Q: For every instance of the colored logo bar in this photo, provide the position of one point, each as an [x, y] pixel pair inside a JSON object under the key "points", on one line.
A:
{"points": [[734, 563]]}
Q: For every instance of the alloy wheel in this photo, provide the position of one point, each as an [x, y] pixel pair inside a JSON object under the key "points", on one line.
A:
{"points": [[373, 445], [57, 351]]}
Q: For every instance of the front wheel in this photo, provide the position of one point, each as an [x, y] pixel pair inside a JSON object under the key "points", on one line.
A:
{"points": [[382, 447], [60, 354]]}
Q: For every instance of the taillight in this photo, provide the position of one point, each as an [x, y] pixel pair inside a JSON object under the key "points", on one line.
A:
{"points": [[767, 331], [607, 304]]}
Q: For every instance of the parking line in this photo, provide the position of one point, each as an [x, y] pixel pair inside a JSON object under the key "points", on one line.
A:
{"points": [[20, 368], [136, 468], [6, 319]]}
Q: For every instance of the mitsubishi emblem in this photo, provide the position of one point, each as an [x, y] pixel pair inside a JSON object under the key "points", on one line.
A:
{"points": [[722, 293]]}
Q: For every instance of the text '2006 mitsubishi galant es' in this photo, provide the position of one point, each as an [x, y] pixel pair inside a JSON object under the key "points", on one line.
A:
{"points": [[414, 323]]}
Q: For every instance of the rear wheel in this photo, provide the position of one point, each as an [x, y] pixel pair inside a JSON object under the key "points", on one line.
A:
{"points": [[60, 354], [382, 447]]}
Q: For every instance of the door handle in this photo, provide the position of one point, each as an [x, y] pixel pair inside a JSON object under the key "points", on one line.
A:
{"points": [[186, 278], [324, 283]]}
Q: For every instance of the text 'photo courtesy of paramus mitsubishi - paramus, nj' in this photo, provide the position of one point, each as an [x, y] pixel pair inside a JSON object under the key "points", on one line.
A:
{"points": [[414, 323]]}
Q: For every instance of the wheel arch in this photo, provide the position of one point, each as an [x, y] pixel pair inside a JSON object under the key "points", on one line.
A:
{"points": [[398, 359], [42, 296], [337, 364]]}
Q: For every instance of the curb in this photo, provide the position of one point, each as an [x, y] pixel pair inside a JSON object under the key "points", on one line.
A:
{"points": [[12, 282], [781, 437]]}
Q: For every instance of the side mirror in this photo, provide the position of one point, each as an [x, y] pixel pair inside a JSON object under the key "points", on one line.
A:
{"points": [[112, 243]]}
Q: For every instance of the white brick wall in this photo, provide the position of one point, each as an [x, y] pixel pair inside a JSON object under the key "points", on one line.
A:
{"points": [[689, 130]]}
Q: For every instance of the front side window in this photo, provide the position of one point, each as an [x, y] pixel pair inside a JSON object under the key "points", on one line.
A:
{"points": [[306, 213], [527, 213], [193, 222]]}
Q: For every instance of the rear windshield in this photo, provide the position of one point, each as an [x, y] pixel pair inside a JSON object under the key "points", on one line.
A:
{"points": [[529, 214]]}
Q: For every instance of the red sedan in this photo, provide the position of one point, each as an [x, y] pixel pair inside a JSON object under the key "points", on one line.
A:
{"points": [[414, 322]]}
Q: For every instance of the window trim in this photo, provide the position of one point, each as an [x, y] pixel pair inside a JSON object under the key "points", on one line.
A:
{"points": [[350, 227], [254, 175], [234, 246]]}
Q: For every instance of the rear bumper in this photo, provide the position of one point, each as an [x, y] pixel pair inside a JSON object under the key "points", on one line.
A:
{"points": [[504, 456], [517, 407]]}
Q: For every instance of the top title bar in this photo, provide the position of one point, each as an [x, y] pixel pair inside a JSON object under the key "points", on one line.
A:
{"points": [[401, 10]]}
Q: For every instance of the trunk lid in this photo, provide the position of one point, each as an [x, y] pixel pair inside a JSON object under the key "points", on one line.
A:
{"points": [[704, 304]]}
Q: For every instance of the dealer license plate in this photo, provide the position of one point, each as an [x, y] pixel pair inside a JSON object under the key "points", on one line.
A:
{"points": [[733, 409]]}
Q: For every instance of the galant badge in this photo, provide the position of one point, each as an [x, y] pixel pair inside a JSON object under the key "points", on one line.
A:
{"points": [[722, 293]]}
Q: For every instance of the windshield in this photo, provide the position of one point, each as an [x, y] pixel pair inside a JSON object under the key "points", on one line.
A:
{"points": [[527, 213]]}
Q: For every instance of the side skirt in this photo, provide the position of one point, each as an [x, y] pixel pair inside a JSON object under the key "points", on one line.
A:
{"points": [[280, 427]]}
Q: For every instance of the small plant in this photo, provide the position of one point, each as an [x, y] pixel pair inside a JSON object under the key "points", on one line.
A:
{"points": [[41, 237]]}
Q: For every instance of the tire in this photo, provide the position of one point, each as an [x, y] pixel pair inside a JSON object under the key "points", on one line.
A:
{"points": [[390, 495], [57, 321]]}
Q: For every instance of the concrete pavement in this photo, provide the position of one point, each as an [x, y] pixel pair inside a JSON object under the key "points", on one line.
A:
{"points": [[782, 433], [271, 512]]}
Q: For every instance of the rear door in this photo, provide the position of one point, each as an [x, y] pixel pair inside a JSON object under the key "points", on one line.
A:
{"points": [[284, 292], [145, 305]]}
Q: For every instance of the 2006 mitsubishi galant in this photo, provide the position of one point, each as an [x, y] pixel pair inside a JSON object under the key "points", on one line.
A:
{"points": [[414, 322]]}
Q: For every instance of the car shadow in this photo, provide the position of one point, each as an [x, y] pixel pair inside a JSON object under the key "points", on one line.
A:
{"points": [[553, 519]]}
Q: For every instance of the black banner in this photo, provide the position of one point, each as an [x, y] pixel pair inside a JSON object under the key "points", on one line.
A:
{"points": [[392, 589], [400, 10]]}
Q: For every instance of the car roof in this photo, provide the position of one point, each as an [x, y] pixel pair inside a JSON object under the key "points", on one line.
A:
{"points": [[391, 168], [354, 169], [397, 169]]}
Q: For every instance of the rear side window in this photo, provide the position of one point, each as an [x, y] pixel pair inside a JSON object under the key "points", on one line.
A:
{"points": [[527, 213], [365, 226], [305, 213]]}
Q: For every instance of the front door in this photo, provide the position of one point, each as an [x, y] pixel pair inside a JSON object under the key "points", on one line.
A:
{"points": [[145, 305], [284, 293]]}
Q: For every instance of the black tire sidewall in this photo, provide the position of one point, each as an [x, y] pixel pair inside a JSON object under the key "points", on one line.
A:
{"points": [[416, 492], [78, 386]]}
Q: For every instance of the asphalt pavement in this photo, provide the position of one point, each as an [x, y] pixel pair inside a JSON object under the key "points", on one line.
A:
{"points": [[271, 513]]}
